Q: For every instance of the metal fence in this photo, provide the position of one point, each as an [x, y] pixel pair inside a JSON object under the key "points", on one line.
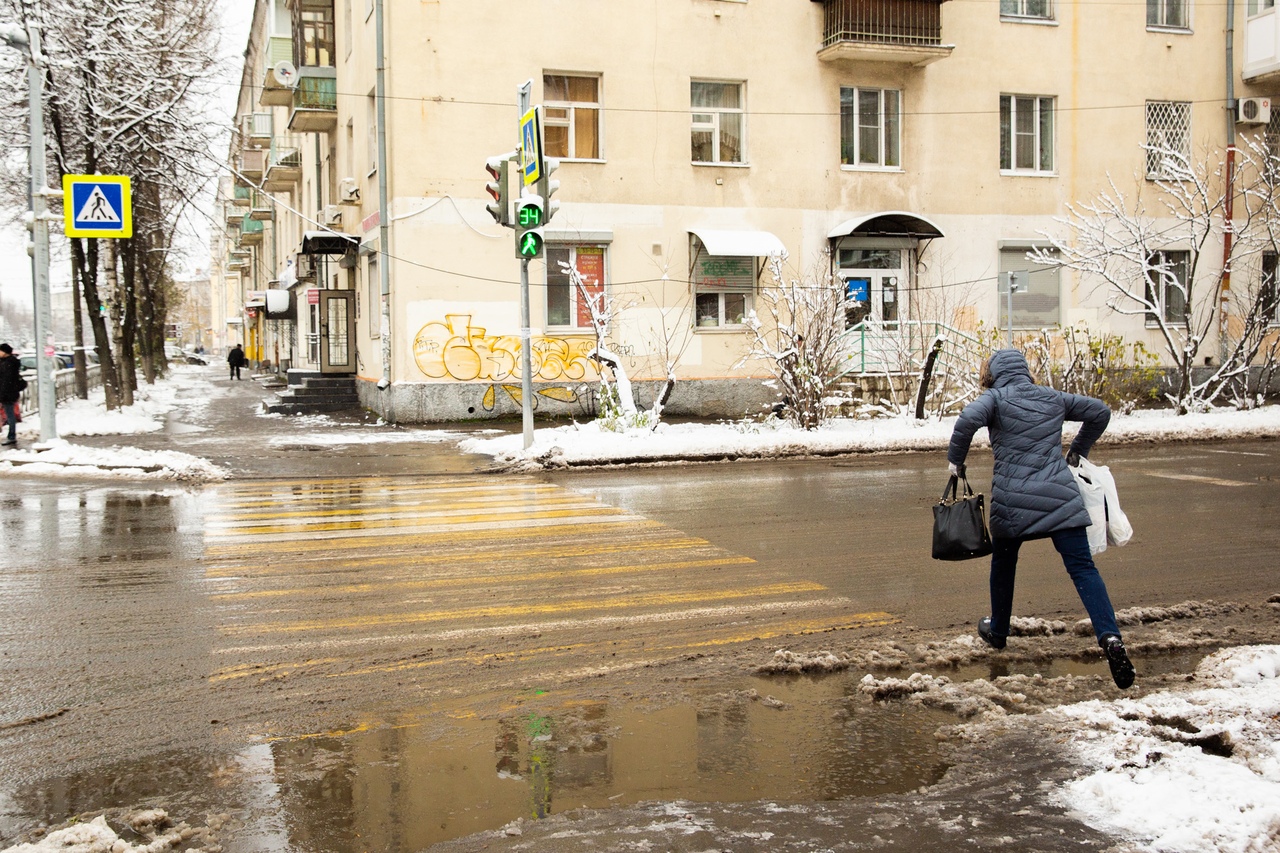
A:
{"points": [[64, 383], [904, 22]]}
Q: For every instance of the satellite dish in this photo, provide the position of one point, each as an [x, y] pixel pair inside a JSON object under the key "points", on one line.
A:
{"points": [[286, 74]]}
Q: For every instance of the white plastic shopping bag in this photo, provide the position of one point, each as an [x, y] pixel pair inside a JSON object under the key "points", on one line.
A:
{"points": [[1096, 503], [1119, 530], [1108, 523]]}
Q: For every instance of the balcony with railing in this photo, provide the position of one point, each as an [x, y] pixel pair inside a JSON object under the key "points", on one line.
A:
{"points": [[250, 231], [262, 207], [284, 164], [240, 196], [252, 162], [276, 93], [257, 130], [901, 31], [315, 101]]}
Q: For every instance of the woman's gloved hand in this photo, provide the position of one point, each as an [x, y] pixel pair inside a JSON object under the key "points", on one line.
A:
{"points": [[1073, 459], [956, 470]]}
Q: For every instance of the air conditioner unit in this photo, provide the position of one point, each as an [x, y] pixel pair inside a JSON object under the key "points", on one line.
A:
{"points": [[348, 191], [332, 216], [305, 268], [1253, 110]]}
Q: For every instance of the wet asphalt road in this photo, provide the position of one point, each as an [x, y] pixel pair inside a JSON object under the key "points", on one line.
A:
{"points": [[373, 646]]}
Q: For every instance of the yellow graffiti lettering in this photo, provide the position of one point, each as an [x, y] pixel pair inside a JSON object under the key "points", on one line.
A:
{"points": [[457, 350]]}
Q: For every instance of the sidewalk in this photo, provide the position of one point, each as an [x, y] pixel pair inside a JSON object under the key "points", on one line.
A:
{"points": [[229, 429]]}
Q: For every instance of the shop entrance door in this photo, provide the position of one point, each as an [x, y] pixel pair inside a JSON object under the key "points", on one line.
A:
{"points": [[337, 331], [873, 296], [873, 279]]}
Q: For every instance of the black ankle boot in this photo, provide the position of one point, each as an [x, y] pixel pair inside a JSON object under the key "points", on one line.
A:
{"points": [[1118, 659], [984, 631]]}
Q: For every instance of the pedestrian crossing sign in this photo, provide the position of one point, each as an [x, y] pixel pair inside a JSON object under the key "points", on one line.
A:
{"points": [[97, 206]]}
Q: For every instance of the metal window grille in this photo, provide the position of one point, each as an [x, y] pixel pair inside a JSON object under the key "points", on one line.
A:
{"points": [[906, 22], [1168, 132], [1271, 136]]}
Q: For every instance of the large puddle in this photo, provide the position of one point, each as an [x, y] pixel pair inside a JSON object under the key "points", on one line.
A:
{"points": [[406, 784]]}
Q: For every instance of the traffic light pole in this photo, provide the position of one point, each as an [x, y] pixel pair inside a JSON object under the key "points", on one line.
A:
{"points": [[526, 357]]}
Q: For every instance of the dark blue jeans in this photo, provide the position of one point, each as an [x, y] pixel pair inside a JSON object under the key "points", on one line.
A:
{"points": [[1073, 545], [10, 420]]}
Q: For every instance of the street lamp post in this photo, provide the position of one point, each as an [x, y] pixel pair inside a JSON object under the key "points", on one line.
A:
{"points": [[47, 392]]}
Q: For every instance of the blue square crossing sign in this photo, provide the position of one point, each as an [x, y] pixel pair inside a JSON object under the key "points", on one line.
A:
{"points": [[97, 206]]}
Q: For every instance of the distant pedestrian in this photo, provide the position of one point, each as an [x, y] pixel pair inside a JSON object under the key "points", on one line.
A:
{"points": [[11, 387], [236, 360], [1034, 495]]}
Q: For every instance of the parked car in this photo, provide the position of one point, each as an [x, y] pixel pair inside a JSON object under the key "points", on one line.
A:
{"points": [[177, 355], [65, 361], [90, 357]]}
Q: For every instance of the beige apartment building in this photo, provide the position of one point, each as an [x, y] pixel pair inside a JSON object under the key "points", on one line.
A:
{"points": [[914, 150]]}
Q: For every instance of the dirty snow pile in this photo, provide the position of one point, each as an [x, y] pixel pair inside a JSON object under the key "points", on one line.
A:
{"points": [[1193, 771], [59, 458], [95, 836], [590, 444]]}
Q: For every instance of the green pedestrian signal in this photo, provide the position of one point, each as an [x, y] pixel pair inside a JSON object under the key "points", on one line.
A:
{"points": [[530, 217], [531, 245]]}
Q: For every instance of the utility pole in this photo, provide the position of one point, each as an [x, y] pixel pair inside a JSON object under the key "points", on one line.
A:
{"points": [[524, 99], [1229, 188], [47, 393], [1016, 281]]}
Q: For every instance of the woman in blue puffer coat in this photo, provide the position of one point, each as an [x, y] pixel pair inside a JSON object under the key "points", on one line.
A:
{"points": [[1034, 495]]}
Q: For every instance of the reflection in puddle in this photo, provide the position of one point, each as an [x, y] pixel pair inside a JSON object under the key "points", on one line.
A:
{"points": [[406, 786]]}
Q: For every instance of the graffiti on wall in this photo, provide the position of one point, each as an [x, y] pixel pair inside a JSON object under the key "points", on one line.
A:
{"points": [[455, 349]]}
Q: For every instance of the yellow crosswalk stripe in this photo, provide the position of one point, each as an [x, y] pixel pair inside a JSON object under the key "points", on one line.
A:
{"points": [[348, 579]]}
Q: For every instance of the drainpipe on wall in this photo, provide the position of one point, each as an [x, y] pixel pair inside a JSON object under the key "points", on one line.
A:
{"points": [[384, 220], [1228, 215]]}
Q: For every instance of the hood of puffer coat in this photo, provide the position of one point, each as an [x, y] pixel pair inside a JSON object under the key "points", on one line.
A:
{"points": [[1009, 366]]}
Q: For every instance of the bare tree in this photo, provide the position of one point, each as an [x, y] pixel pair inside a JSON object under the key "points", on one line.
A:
{"points": [[129, 85], [1162, 264], [799, 339]]}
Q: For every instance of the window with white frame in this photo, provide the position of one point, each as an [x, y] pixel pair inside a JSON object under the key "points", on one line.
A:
{"points": [[1168, 137], [723, 286], [569, 305], [870, 127], [1039, 305], [1167, 286], [1026, 134], [1257, 7], [1173, 14], [572, 116], [1040, 9], [1269, 288], [718, 133]]}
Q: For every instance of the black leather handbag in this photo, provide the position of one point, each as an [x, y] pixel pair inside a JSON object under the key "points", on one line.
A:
{"points": [[960, 523]]}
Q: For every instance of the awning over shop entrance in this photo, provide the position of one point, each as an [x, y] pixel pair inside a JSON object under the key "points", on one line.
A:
{"points": [[740, 244], [327, 243], [891, 223]]}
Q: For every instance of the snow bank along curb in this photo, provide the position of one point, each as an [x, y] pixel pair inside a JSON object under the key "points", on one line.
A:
{"points": [[61, 459], [1197, 771], [588, 444]]}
